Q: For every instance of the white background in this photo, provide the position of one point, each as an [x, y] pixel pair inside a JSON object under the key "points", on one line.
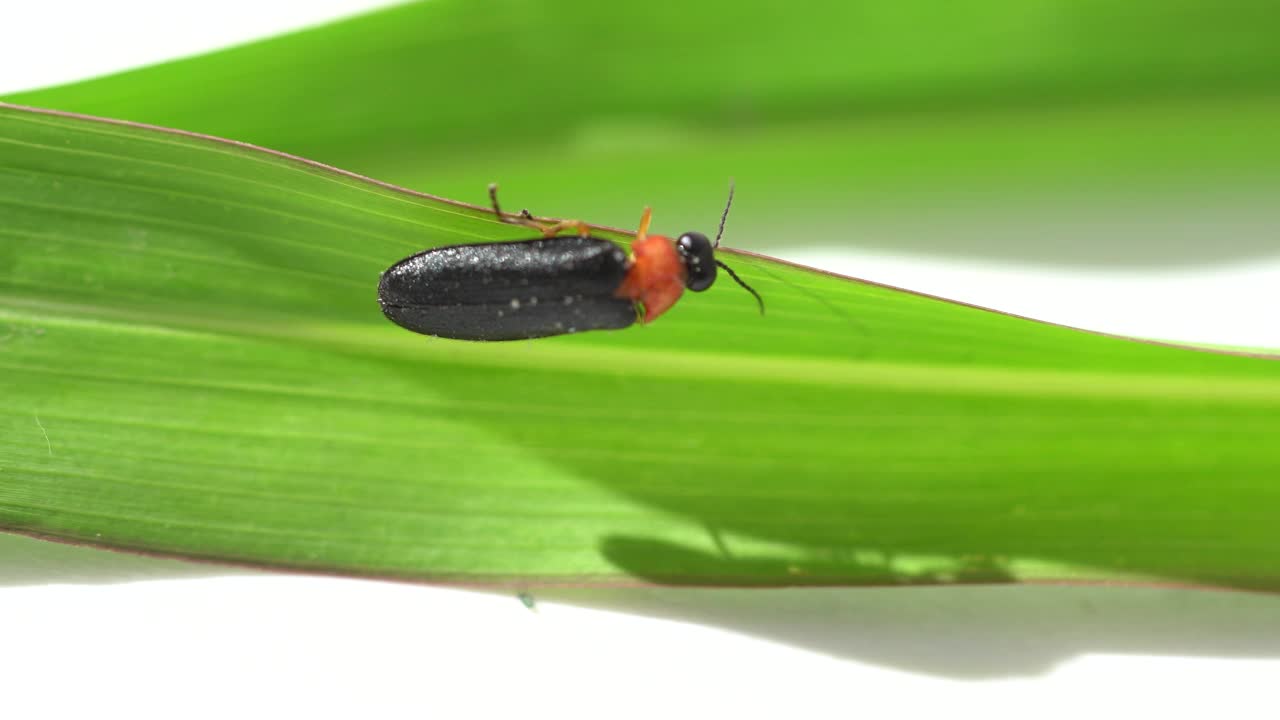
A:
{"points": [[85, 632]]}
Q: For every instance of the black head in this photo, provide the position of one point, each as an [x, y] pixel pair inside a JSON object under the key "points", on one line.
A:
{"points": [[699, 259], [700, 263]]}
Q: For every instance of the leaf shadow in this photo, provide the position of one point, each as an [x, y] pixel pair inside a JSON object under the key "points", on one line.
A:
{"points": [[968, 633], [665, 563]]}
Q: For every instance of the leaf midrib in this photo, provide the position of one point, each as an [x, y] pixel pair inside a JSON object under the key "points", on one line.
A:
{"points": [[666, 363]]}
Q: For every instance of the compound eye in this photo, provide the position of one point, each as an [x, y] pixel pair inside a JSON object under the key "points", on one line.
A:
{"points": [[699, 260]]}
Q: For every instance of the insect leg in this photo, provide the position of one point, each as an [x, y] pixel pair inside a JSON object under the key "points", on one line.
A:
{"points": [[578, 226], [525, 218]]}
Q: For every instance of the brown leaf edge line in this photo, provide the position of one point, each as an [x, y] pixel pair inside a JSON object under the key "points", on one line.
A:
{"points": [[517, 583]]}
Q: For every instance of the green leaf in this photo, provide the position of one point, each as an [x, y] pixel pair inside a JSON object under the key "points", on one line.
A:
{"points": [[839, 127], [193, 362]]}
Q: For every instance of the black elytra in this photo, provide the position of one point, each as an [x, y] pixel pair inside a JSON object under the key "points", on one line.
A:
{"points": [[509, 290]]}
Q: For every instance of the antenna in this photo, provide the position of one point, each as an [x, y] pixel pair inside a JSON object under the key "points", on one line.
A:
{"points": [[724, 217], [748, 288], [732, 274]]}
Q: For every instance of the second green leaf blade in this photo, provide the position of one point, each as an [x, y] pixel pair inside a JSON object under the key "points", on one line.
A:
{"points": [[193, 362]]}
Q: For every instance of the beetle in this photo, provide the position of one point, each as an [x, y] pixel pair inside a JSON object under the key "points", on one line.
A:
{"points": [[552, 285]]}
